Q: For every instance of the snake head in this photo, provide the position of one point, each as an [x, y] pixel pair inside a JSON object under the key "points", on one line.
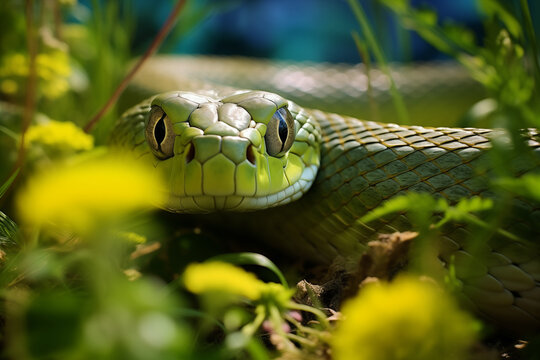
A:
{"points": [[240, 151]]}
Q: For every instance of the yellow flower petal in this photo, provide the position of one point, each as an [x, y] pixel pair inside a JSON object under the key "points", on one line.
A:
{"points": [[80, 194], [62, 135], [404, 320], [220, 276]]}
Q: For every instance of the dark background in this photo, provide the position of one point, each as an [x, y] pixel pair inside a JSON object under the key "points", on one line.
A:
{"points": [[313, 30]]}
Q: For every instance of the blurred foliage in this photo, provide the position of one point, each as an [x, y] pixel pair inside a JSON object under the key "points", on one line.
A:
{"points": [[89, 272], [88, 190], [52, 70], [396, 330], [505, 62]]}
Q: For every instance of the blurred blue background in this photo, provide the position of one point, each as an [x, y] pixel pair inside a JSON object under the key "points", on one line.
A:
{"points": [[314, 30]]}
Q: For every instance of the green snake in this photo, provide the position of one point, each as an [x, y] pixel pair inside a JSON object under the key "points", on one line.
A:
{"points": [[300, 179]]}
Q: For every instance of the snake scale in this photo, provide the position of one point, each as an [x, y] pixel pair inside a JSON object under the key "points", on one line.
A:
{"points": [[227, 149]]}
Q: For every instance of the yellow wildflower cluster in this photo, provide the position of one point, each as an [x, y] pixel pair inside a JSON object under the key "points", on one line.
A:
{"points": [[222, 277], [59, 135], [52, 69], [81, 194], [404, 320], [218, 276]]}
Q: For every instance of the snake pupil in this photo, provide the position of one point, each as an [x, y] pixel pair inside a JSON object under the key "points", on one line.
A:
{"points": [[159, 130], [283, 131]]}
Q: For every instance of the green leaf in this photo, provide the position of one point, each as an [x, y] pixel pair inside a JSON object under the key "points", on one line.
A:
{"points": [[404, 203], [426, 16], [247, 258], [397, 5], [463, 209], [5, 186], [528, 185], [459, 35], [473, 204], [495, 8]]}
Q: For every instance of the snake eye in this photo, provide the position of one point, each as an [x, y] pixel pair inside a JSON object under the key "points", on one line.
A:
{"points": [[279, 132], [159, 133]]}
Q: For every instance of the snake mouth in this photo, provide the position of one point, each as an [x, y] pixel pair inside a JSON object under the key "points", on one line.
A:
{"points": [[250, 154]]}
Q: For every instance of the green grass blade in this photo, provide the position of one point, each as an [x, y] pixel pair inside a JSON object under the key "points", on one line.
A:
{"points": [[364, 54], [399, 104], [5, 186], [529, 29], [9, 132]]}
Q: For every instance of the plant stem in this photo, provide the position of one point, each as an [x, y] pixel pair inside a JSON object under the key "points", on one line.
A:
{"points": [[301, 327], [529, 28], [318, 313], [165, 29], [364, 54], [249, 329], [30, 96], [377, 53]]}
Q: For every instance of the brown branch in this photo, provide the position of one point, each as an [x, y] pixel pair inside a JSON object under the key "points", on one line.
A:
{"points": [[163, 32], [57, 14]]}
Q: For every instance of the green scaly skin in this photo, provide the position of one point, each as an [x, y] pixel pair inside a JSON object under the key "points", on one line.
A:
{"points": [[362, 164]]}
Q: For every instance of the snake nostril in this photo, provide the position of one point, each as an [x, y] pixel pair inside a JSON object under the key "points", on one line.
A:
{"points": [[190, 153], [250, 154]]}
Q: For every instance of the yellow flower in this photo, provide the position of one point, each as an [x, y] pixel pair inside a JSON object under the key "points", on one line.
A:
{"points": [[52, 68], [9, 86], [14, 65], [55, 63], [61, 135], [55, 87], [79, 194], [404, 320], [223, 277]]}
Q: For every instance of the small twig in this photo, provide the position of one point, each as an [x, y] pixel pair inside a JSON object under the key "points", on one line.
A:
{"points": [[163, 32], [57, 13]]}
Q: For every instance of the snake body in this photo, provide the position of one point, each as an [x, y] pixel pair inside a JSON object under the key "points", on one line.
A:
{"points": [[360, 165]]}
